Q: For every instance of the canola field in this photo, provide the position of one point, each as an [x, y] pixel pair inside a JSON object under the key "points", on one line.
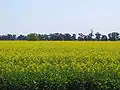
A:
{"points": [[59, 65]]}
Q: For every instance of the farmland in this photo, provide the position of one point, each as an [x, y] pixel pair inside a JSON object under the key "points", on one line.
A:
{"points": [[59, 65]]}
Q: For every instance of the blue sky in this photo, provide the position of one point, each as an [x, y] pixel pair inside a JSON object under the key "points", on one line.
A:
{"points": [[49, 16]]}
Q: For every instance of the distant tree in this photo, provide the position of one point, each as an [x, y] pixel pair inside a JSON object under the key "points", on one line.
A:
{"points": [[32, 37], [81, 36], [40, 36], [55, 36], [3, 37], [22, 37], [50, 36], [14, 37], [0, 37], [43, 37], [110, 36], [90, 35], [113, 36], [10, 37], [61, 37], [88, 38], [74, 37], [67, 36], [98, 36], [104, 38]]}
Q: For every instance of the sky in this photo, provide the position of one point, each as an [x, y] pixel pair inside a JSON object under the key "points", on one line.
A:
{"points": [[63, 16]]}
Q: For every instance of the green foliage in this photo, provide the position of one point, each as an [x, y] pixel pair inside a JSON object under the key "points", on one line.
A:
{"points": [[59, 65], [32, 37]]}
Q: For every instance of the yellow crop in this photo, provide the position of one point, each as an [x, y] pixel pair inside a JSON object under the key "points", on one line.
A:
{"points": [[59, 64]]}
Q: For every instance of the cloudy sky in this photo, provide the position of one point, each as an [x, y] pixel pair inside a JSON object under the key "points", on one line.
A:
{"points": [[49, 16]]}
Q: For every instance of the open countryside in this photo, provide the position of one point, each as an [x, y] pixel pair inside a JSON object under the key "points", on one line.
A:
{"points": [[59, 44]]}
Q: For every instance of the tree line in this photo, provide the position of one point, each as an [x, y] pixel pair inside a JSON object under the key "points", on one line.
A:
{"points": [[114, 36]]}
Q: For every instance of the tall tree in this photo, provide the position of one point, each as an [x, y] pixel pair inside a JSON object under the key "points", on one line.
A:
{"points": [[104, 38], [113, 36], [67, 36], [74, 37], [98, 36], [22, 37], [32, 37], [61, 37], [81, 36], [89, 37]]}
